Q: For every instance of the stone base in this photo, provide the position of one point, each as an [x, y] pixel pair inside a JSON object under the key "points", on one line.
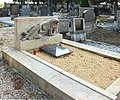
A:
{"points": [[78, 37], [36, 43]]}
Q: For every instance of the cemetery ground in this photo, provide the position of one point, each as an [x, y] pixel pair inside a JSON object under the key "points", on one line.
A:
{"points": [[101, 35], [106, 36], [12, 84]]}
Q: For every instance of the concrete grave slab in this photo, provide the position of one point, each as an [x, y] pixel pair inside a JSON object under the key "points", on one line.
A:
{"points": [[56, 82]]}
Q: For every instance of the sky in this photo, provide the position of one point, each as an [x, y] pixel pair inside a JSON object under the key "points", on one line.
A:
{"points": [[8, 1]]}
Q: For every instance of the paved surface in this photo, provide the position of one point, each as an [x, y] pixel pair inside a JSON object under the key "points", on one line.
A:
{"points": [[13, 86], [104, 46]]}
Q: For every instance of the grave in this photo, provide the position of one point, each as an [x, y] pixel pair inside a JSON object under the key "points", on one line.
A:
{"points": [[55, 81], [89, 15], [15, 9], [118, 19], [25, 10], [73, 28], [46, 11], [63, 26], [78, 29]]}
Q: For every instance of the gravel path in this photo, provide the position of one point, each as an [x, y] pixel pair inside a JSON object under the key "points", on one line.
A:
{"points": [[12, 83], [13, 86], [6, 38], [102, 35], [104, 46]]}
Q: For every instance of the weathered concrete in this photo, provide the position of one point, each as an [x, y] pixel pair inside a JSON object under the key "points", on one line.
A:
{"points": [[114, 88], [99, 51], [89, 27], [89, 15], [24, 24], [58, 83]]}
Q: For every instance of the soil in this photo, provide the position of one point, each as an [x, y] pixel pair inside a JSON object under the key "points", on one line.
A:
{"points": [[90, 67], [101, 35]]}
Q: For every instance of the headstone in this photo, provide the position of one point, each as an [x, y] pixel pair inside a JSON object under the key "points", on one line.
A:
{"points": [[77, 25], [118, 19], [63, 26], [46, 11], [89, 15], [4, 12], [78, 29], [25, 11], [25, 24], [15, 9], [74, 12]]}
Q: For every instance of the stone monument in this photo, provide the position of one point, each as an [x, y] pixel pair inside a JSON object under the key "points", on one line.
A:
{"points": [[34, 32], [118, 20], [78, 32]]}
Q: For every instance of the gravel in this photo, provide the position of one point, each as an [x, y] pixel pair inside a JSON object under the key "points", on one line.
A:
{"points": [[98, 70], [14, 86], [104, 46]]}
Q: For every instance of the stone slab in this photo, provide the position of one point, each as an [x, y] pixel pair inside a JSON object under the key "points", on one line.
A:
{"points": [[114, 88], [55, 81]]}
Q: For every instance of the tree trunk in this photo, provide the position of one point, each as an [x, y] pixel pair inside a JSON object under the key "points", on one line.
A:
{"points": [[37, 2], [54, 6], [67, 6], [115, 9]]}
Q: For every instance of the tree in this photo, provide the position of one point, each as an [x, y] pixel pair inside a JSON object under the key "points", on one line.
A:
{"points": [[85, 3], [54, 5]]}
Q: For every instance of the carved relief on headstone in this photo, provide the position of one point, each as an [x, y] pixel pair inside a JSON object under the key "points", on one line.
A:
{"points": [[49, 27], [34, 32]]}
